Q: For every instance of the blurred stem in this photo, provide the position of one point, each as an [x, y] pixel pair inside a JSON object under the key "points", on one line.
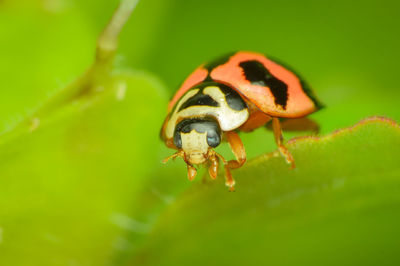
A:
{"points": [[88, 84], [108, 40]]}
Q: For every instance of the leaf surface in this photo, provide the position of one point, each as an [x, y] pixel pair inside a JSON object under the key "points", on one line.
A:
{"points": [[340, 206], [68, 188]]}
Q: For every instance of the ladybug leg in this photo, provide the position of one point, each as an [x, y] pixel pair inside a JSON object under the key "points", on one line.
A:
{"points": [[191, 172], [237, 148], [214, 164], [173, 156], [229, 181], [240, 154], [276, 127]]}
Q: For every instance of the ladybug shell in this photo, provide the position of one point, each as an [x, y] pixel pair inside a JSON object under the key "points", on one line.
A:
{"points": [[272, 88]]}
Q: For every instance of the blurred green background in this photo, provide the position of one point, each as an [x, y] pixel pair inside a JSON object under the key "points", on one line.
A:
{"points": [[87, 188]]}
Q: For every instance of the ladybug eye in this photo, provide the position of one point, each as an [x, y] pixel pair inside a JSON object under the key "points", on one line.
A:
{"points": [[178, 139], [213, 139]]}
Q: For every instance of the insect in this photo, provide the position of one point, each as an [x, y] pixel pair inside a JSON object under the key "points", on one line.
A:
{"points": [[240, 91]]}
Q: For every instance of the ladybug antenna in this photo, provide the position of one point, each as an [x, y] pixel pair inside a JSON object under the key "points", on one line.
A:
{"points": [[173, 156], [191, 169]]}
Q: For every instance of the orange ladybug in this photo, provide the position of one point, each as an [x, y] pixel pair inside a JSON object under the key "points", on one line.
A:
{"points": [[241, 91]]}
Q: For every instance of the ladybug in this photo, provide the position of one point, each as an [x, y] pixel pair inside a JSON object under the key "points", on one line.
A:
{"points": [[240, 91]]}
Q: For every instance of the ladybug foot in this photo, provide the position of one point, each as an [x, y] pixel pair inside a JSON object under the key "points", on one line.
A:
{"points": [[287, 155], [191, 172], [276, 127], [230, 182]]}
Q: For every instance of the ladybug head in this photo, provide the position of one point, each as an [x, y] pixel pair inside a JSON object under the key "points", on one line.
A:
{"points": [[195, 139], [195, 136]]}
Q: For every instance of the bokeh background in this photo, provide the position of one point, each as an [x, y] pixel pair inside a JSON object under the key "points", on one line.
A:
{"points": [[88, 188]]}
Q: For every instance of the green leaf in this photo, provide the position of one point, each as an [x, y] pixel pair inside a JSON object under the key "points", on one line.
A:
{"points": [[340, 206], [67, 188]]}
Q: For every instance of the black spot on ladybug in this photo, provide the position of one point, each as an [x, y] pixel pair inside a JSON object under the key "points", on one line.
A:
{"points": [[304, 85], [257, 74], [234, 100], [201, 125], [199, 99], [217, 62]]}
